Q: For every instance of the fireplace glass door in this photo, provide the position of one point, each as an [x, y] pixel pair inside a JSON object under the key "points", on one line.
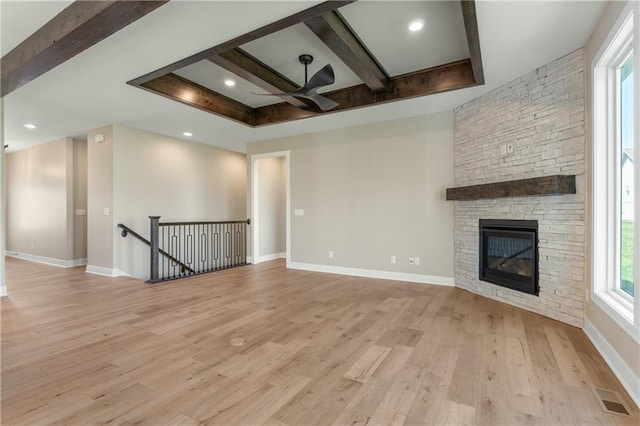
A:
{"points": [[509, 254]]}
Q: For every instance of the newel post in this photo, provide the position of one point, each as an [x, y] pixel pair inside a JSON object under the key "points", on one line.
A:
{"points": [[154, 237]]}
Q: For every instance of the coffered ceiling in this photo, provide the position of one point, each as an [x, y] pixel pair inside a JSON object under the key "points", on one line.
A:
{"points": [[90, 90], [374, 54]]}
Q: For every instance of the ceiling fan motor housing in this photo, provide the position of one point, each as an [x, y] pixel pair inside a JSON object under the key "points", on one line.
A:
{"points": [[305, 59]]}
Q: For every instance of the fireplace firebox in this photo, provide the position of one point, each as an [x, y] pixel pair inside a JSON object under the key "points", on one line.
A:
{"points": [[509, 254]]}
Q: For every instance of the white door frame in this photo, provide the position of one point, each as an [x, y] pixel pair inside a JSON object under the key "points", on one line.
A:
{"points": [[255, 219]]}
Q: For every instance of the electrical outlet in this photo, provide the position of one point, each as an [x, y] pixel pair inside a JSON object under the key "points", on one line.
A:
{"points": [[330, 254], [503, 149], [393, 260], [416, 260], [412, 261]]}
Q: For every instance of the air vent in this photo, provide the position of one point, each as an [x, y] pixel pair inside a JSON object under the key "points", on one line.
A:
{"points": [[610, 401]]}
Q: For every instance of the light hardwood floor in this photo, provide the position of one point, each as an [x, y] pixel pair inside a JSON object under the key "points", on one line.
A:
{"points": [[265, 345]]}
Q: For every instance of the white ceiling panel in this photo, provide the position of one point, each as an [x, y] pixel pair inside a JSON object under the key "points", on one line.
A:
{"points": [[383, 28]]}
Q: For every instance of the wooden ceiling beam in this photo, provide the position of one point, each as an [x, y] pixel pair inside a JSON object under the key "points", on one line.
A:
{"points": [[271, 28], [456, 75], [253, 70], [473, 38], [78, 27], [185, 91], [334, 31]]}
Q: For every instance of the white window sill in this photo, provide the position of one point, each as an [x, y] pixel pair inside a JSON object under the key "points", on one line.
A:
{"points": [[618, 311]]}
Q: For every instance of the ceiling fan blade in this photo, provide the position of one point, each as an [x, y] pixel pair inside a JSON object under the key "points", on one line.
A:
{"points": [[324, 77], [275, 94], [324, 103]]}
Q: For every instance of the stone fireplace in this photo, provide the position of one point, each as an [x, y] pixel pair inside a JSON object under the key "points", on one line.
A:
{"points": [[530, 127]]}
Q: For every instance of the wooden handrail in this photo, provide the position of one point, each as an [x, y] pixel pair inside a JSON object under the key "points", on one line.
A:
{"points": [[126, 230]]}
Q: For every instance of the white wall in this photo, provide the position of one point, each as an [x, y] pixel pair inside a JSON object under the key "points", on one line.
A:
{"points": [[272, 210], [620, 349], [155, 175], [372, 192]]}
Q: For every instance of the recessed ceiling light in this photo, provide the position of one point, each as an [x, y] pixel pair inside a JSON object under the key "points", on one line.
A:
{"points": [[416, 25], [30, 126], [187, 134], [229, 83]]}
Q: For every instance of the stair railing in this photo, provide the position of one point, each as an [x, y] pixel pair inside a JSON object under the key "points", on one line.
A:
{"points": [[126, 231], [181, 249]]}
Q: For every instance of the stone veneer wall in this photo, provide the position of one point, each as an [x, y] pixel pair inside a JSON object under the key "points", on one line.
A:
{"points": [[542, 114]]}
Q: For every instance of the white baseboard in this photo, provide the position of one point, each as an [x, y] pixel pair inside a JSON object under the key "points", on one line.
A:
{"points": [[119, 273], [100, 270], [622, 371], [269, 257], [47, 260], [369, 273]]}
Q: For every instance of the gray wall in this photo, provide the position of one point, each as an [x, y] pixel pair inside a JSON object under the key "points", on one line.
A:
{"points": [[40, 201], [272, 207], [79, 199], [99, 200], [155, 175], [372, 192]]}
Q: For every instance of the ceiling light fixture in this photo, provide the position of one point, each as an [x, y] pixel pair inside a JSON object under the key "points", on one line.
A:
{"points": [[416, 25], [30, 126], [229, 83], [187, 134]]}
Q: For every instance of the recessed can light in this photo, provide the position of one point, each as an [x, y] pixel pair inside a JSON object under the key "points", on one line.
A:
{"points": [[229, 83], [30, 126], [187, 134], [416, 25]]}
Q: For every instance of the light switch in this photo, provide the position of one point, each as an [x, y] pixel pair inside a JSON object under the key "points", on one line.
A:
{"points": [[298, 212], [510, 148], [81, 212], [107, 211]]}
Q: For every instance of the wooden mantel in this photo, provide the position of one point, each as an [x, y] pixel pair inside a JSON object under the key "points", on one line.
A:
{"points": [[547, 185]]}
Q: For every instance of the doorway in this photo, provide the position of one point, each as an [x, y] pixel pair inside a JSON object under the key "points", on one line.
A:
{"points": [[270, 206]]}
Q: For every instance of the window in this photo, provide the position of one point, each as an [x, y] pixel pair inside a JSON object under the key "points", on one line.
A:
{"points": [[615, 178], [626, 173]]}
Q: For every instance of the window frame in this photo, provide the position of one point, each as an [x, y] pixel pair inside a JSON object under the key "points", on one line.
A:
{"points": [[606, 251], [622, 54]]}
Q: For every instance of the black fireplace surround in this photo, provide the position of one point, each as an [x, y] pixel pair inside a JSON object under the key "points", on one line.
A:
{"points": [[509, 254]]}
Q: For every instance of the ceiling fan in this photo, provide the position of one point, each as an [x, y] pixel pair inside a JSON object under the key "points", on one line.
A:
{"points": [[324, 77]]}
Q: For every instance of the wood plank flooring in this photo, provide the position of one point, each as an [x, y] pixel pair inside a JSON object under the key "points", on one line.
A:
{"points": [[265, 345]]}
